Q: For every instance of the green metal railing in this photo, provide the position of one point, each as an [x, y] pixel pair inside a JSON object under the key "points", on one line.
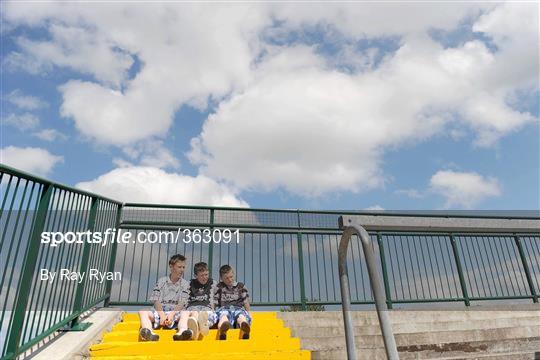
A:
{"points": [[285, 257], [33, 309]]}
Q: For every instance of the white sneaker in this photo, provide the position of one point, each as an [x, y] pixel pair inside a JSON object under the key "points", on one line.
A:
{"points": [[194, 327], [203, 322]]}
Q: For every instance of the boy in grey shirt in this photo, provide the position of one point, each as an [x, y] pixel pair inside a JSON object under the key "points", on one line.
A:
{"points": [[169, 296]]}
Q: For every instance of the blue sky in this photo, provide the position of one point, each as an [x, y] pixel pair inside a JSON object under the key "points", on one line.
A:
{"points": [[277, 106]]}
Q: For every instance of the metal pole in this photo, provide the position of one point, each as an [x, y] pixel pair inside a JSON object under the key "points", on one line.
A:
{"points": [[517, 239], [345, 293], [350, 227]]}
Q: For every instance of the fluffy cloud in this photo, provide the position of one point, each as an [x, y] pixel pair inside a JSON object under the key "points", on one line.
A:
{"points": [[25, 102], [183, 58], [153, 185], [464, 189], [286, 116], [33, 160], [311, 130], [22, 122], [49, 135]]}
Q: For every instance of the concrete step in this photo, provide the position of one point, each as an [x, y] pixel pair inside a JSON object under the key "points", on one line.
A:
{"points": [[336, 328], [405, 316], [414, 340], [515, 349]]}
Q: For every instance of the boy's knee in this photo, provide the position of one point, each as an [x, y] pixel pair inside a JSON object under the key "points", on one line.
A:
{"points": [[143, 313]]}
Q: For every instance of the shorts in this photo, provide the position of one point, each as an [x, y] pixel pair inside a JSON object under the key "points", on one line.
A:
{"points": [[157, 319], [212, 316], [199, 308], [232, 313]]}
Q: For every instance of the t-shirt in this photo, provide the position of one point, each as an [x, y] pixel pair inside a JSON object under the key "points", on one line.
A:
{"points": [[170, 294], [235, 295], [202, 294]]}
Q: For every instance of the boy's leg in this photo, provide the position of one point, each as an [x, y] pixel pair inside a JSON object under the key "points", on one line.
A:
{"points": [[146, 333], [244, 323], [147, 319], [224, 325], [193, 325], [203, 321], [187, 326]]}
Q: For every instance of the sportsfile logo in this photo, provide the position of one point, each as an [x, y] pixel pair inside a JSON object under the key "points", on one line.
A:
{"points": [[109, 236]]}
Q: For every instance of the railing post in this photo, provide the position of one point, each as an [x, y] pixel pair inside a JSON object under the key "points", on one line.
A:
{"points": [[350, 227], [78, 304], [28, 268], [211, 244], [112, 258], [519, 245], [301, 264], [460, 270], [384, 271]]}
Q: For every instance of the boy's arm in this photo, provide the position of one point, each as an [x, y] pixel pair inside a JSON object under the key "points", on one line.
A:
{"points": [[184, 298], [213, 291], [245, 295]]}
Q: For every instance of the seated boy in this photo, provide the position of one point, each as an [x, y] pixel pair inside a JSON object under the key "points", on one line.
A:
{"points": [[199, 315], [232, 301], [169, 296]]}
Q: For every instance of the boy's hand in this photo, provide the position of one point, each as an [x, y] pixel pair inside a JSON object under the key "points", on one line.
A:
{"points": [[162, 318], [170, 318]]}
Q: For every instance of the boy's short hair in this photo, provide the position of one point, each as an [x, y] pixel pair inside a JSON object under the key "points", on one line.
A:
{"points": [[224, 269], [200, 267], [176, 258]]}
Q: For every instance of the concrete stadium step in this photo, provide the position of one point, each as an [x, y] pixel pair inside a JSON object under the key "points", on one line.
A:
{"points": [[255, 355], [423, 338], [167, 335], [269, 339], [206, 348], [335, 328], [516, 349], [405, 316], [455, 334]]}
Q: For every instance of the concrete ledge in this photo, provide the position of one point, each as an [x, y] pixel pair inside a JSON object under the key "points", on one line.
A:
{"points": [[75, 344]]}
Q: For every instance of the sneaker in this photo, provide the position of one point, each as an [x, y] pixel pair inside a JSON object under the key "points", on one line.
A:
{"points": [[146, 334], [203, 323], [184, 335], [222, 331], [244, 330], [194, 327]]}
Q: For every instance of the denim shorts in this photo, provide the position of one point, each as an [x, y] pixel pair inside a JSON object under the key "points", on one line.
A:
{"points": [[232, 313]]}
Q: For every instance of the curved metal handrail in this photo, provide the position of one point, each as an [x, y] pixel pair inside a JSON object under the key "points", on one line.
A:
{"points": [[350, 228]]}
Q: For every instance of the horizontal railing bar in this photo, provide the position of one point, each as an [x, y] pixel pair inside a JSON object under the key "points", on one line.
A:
{"points": [[151, 225], [443, 224], [27, 176], [332, 212]]}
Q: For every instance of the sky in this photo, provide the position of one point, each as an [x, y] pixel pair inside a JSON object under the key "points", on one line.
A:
{"points": [[395, 106]]}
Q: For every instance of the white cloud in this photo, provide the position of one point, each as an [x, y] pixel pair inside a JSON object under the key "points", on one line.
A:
{"points": [[33, 160], [25, 102], [411, 193], [286, 118], [152, 153], [464, 189], [50, 135], [184, 58], [153, 185], [374, 208], [26, 121]]}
